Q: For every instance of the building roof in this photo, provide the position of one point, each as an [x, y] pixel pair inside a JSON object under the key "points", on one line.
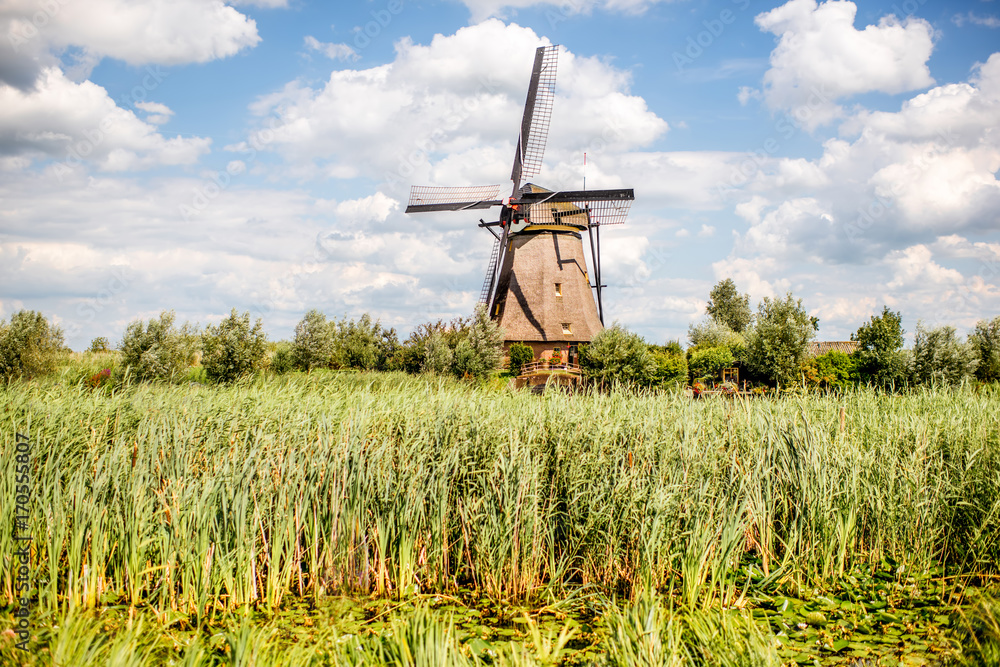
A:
{"points": [[817, 348]]}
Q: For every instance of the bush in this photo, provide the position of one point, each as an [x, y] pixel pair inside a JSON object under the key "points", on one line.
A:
{"points": [[710, 333], [671, 365], [709, 362], [618, 355], [985, 341], [364, 344], [940, 358], [157, 350], [831, 370], [233, 349], [437, 355], [778, 342], [879, 358], [282, 358], [313, 345], [479, 353], [518, 355], [99, 344], [29, 345]]}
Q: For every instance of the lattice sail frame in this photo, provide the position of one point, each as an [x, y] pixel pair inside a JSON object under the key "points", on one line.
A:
{"points": [[427, 195], [534, 148], [583, 212]]}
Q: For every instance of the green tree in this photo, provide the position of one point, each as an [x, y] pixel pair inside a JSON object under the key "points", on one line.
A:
{"points": [[158, 350], [671, 365], [233, 349], [834, 369], [314, 340], [438, 354], [518, 355], [708, 362], [710, 333], [617, 354], [778, 342], [99, 344], [364, 344], [481, 351], [939, 357], [728, 307], [985, 341], [29, 345], [879, 358]]}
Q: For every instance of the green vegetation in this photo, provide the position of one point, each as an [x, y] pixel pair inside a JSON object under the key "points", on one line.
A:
{"points": [[617, 355], [157, 350], [985, 341], [880, 358], [518, 355], [29, 345], [233, 349], [314, 342], [708, 362], [356, 516], [727, 307], [778, 342]]}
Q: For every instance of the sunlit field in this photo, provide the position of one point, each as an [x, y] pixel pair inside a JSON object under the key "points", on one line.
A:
{"points": [[348, 518]]}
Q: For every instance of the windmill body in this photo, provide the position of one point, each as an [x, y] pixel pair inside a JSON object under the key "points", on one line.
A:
{"points": [[538, 286]]}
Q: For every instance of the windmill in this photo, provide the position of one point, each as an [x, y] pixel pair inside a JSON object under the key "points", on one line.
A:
{"points": [[537, 285]]}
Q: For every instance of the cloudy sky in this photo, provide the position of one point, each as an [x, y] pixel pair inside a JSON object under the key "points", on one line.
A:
{"points": [[198, 155]]}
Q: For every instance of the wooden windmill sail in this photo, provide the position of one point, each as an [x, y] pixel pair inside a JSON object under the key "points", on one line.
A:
{"points": [[538, 286]]}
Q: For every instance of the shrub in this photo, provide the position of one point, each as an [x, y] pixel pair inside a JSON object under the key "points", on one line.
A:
{"points": [[831, 370], [282, 358], [364, 344], [233, 349], [710, 333], [313, 345], [480, 352], [617, 355], [940, 358], [879, 358], [778, 342], [437, 355], [671, 365], [29, 345], [157, 350], [99, 344], [709, 362], [518, 355], [985, 341]]}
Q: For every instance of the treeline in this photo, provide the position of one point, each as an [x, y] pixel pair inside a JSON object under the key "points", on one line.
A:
{"points": [[160, 349], [771, 347]]}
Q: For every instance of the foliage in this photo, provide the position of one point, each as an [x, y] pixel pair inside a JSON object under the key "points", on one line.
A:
{"points": [[710, 333], [282, 358], [313, 344], [878, 358], [671, 365], [364, 344], [518, 355], [158, 350], [708, 362], [834, 369], [985, 340], [729, 308], [779, 341], [939, 357], [438, 355], [233, 349], [29, 345], [99, 344], [480, 352], [616, 354]]}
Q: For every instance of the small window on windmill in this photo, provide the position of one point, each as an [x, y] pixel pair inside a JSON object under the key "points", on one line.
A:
{"points": [[567, 328], [558, 289]]}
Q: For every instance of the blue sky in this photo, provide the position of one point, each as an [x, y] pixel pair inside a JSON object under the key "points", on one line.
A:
{"points": [[197, 155]]}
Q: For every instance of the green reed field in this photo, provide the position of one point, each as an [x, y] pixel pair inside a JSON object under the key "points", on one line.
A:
{"points": [[342, 518]]}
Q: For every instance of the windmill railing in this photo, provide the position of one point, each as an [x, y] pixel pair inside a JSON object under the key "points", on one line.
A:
{"points": [[545, 365]]}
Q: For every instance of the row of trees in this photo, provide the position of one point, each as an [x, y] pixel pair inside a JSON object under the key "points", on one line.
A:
{"points": [[772, 346]]}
